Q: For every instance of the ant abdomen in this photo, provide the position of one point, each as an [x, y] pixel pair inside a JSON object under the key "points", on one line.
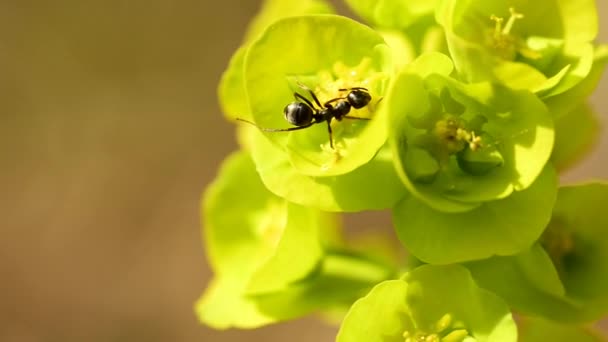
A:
{"points": [[298, 114]]}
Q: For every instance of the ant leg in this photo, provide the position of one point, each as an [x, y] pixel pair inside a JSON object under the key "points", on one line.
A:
{"points": [[314, 97], [353, 88], [331, 137], [276, 129], [355, 117], [302, 98], [334, 100]]}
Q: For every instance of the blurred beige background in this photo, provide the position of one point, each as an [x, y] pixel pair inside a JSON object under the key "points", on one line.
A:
{"points": [[109, 131]]}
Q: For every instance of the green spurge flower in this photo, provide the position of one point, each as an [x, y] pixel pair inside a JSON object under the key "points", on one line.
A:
{"points": [[462, 150], [431, 303], [473, 106], [544, 46], [565, 276], [301, 165], [457, 145], [325, 59], [270, 256]]}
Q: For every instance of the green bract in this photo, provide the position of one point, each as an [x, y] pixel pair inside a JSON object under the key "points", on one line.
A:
{"points": [[457, 145], [543, 46], [231, 90], [320, 53], [431, 303], [374, 185], [249, 236], [441, 237], [567, 280], [393, 14]]}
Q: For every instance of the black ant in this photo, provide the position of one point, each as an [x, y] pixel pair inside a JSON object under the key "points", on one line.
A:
{"points": [[303, 114]]}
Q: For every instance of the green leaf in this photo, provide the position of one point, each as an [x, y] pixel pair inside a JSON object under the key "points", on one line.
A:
{"points": [[575, 135], [373, 186], [392, 14], [501, 227], [440, 302], [537, 329], [318, 51]]}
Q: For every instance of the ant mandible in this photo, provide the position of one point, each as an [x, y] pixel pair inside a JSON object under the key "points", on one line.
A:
{"points": [[302, 113]]}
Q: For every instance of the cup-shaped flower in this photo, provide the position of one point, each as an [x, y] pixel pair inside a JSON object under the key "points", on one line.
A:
{"points": [[565, 277], [327, 62], [321, 76], [544, 46], [431, 303], [458, 145]]}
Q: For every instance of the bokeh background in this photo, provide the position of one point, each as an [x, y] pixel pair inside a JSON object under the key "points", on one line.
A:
{"points": [[109, 131]]}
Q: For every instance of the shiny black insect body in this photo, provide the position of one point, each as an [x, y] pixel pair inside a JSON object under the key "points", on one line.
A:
{"points": [[302, 113]]}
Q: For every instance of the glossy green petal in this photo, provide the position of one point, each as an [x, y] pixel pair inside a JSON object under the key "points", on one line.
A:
{"points": [[514, 129], [392, 14], [575, 135], [430, 303], [373, 186], [575, 260], [231, 90], [318, 51], [255, 243], [501, 227], [538, 330]]}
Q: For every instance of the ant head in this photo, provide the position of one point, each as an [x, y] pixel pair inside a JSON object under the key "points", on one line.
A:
{"points": [[358, 98], [298, 114]]}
